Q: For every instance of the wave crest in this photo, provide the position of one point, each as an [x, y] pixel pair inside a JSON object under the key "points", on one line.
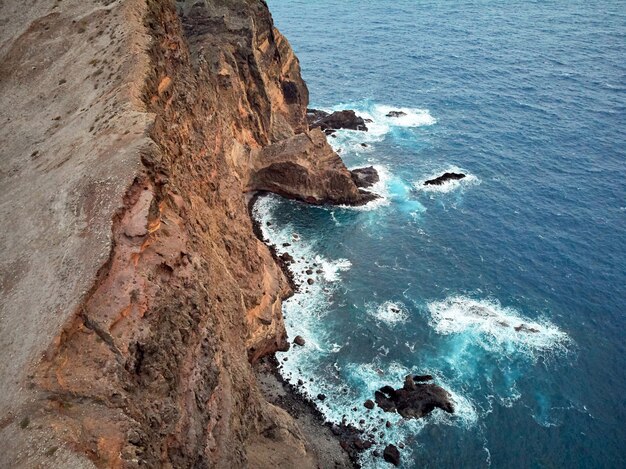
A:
{"points": [[494, 326]]}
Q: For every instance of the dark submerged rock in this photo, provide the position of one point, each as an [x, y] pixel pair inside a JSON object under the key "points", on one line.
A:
{"points": [[361, 445], [314, 116], [365, 177], [445, 177], [369, 404], [524, 328], [392, 455]]}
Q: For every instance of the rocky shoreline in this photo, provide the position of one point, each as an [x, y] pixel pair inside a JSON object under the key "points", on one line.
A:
{"points": [[137, 308], [256, 228], [334, 445], [338, 445]]}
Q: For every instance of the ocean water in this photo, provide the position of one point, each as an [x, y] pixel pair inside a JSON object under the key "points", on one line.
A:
{"points": [[528, 99]]}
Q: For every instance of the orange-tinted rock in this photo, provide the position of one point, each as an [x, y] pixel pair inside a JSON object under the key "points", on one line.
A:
{"points": [[138, 293]]}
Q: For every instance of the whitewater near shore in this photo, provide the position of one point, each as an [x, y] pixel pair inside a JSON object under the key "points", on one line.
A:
{"points": [[505, 284]]}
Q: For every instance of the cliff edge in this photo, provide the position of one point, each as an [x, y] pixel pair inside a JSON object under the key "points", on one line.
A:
{"points": [[134, 294]]}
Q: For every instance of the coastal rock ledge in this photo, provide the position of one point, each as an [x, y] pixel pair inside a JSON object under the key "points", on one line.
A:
{"points": [[134, 294]]}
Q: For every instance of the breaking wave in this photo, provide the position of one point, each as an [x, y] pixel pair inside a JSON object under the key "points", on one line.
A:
{"points": [[390, 313], [495, 327], [378, 125]]}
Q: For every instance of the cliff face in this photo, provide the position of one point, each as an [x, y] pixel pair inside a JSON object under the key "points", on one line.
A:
{"points": [[134, 293]]}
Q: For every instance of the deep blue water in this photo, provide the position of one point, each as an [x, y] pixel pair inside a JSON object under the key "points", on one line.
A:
{"points": [[529, 99]]}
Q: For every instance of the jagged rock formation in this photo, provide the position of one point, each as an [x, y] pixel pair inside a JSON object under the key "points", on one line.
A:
{"points": [[415, 399], [305, 167], [134, 294], [445, 177], [365, 177], [329, 122]]}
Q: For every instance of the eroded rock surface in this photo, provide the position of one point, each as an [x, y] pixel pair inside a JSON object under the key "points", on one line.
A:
{"points": [[134, 294], [304, 167]]}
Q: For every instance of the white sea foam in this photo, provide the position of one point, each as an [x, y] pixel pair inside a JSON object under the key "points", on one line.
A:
{"points": [[447, 186], [378, 125], [330, 269], [495, 327], [311, 302], [390, 313], [373, 376], [412, 117], [302, 251], [349, 385]]}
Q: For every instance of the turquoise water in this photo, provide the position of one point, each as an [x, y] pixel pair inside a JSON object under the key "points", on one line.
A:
{"points": [[529, 100]]}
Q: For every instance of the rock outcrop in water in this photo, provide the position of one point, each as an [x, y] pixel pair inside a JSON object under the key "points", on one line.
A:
{"points": [[445, 177], [415, 399], [304, 167], [134, 294], [396, 114], [365, 177], [392, 455], [334, 121]]}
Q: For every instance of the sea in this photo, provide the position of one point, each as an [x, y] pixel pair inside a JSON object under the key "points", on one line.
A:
{"points": [[528, 99]]}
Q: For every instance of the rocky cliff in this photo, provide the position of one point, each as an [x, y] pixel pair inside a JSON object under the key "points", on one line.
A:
{"points": [[134, 294]]}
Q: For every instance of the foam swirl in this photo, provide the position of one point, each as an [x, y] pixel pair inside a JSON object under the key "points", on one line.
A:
{"points": [[495, 327]]}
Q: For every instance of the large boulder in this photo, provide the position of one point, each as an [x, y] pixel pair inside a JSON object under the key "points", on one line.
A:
{"points": [[391, 454]]}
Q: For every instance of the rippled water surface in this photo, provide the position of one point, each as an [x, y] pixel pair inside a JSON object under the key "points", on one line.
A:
{"points": [[529, 100]]}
